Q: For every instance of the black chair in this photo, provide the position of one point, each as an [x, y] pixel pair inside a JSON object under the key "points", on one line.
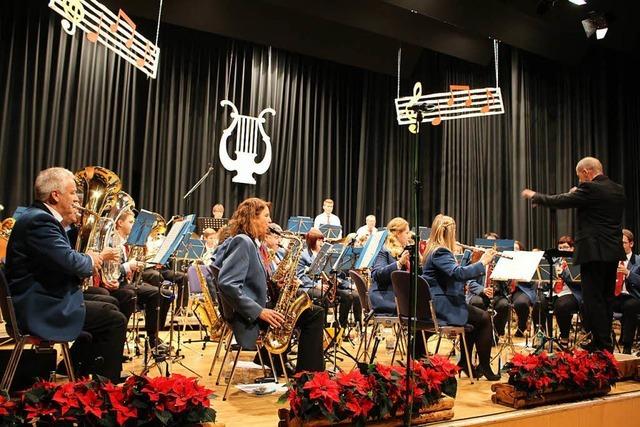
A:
{"points": [[21, 339], [426, 319], [376, 321], [225, 311]]}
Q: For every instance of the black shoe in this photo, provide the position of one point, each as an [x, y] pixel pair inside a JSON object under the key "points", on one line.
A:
{"points": [[487, 373], [465, 369]]}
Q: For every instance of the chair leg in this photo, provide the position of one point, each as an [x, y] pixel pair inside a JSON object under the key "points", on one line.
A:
{"points": [[284, 369], [66, 356], [12, 365], [224, 359], [273, 367], [233, 371], [438, 343], [221, 341], [466, 354], [424, 341]]}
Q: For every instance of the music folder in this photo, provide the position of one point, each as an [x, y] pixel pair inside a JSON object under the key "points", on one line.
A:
{"points": [[317, 266], [176, 235], [521, 267], [141, 228], [371, 249], [299, 224]]}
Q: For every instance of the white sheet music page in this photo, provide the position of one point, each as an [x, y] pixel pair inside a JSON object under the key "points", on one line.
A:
{"points": [[176, 228], [521, 268]]}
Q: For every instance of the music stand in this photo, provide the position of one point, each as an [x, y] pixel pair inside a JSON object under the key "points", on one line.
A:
{"points": [[371, 249], [204, 222], [331, 231], [299, 224]]}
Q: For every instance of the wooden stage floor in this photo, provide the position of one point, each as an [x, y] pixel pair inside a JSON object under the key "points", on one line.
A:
{"points": [[473, 404]]}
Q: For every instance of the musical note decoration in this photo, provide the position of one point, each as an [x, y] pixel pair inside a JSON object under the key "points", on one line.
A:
{"points": [[116, 32], [247, 130], [460, 102]]}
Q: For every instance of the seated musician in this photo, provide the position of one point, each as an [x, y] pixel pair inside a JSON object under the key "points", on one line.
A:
{"points": [[627, 292], [243, 285], [217, 211], [148, 296], [44, 272], [391, 257], [446, 280], [568, 294], [523, 298], [367, 229], [210, 238]]}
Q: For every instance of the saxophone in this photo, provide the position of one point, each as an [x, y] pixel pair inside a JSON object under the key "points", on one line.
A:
{"points": [[206, 310], [276, 340]]}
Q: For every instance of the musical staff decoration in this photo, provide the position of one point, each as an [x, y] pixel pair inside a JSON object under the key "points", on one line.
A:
{"points": [[460, 102], [116, 32], [247, 130]]}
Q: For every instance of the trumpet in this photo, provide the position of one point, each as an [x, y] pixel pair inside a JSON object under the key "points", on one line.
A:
{"points": [[479, 249]]}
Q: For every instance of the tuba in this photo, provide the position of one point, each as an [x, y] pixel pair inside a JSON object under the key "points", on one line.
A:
{"points": [[289, 304], [206, 310]]}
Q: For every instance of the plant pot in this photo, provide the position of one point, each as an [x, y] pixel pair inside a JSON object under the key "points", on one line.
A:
{"points": [[506, 394], [439, 411]]}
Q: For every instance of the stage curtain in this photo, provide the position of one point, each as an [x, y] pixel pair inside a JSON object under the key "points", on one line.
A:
{"points": [[68, 102]]}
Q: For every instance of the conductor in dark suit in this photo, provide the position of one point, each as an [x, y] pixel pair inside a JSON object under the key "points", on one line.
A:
{"points": [[44, 274], [243, 285], [598, 243]]}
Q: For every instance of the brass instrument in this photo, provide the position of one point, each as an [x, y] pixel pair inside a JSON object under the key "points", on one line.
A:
{"points": [[332, 288], [206, 310], [5, 231], [479, 249], [289, 304]]}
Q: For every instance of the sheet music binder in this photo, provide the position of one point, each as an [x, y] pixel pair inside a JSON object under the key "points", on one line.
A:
{"points": [[371, 249], [320, 260], [210, 222], [141, 228], [176, 235], [299, 224], [347, 260], [331, 231]]}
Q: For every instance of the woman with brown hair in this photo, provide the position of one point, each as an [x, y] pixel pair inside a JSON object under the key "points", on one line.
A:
{"points": [[446, 280], [391, 257], [243, 284]]}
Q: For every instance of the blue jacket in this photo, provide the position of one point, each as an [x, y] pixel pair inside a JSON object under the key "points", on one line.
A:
{"points": [[305, 261], [243, 285], [44, 272], [381, 294], [446, 280]]}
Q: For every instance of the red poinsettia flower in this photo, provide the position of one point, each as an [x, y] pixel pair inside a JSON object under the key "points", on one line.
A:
{"points": [[91, 402], [360, 407], [7, 406], [322, 387], [66, 397], [353, 379], [443, 365], [384, 371]]}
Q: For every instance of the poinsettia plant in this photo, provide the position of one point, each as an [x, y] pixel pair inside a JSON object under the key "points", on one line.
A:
{"points": [[161, 401], [371, 392], [574, 371]]}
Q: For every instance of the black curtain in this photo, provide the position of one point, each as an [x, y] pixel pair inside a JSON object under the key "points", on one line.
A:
{"points": [[68, 102]]}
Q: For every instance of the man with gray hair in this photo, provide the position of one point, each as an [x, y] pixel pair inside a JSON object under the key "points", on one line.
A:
{"points": [[44, 274], [598, 242], [368, 228]]}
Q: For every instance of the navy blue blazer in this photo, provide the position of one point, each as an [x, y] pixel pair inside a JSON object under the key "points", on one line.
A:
{"points": [[44, 272], [381, 295], [243, 285], [633, 280], [446, 280]]}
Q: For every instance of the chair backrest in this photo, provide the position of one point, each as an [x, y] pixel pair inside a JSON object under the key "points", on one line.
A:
{"points": [[6, 304], [361, 287], [226, 310], [401, 282]]}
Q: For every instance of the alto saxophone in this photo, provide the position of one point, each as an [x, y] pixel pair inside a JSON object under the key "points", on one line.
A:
{"points": [[206, 310], [289, 304]]}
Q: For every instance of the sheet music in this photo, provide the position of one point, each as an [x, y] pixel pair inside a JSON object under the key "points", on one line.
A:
{"points": [[371, 249], [177, 229], [521, 268]]}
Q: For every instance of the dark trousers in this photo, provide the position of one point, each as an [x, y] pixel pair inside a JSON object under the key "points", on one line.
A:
{"points": [[349, 299], [103, 355], [564, 309], [500, 308], [101, 295], [155, 277], [521, 305], [630, 309], [598, 284], [155, 305]]}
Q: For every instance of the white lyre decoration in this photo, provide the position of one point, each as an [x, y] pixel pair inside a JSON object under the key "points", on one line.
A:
{"points": [[460, 102], [246, 149], [117, 32]]}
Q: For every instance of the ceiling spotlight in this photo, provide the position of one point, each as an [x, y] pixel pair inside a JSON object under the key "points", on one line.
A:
{"points": [[595, 23], [578, 2]]}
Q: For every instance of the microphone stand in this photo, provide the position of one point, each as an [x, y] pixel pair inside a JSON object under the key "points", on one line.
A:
{"points": [[195, 187]]}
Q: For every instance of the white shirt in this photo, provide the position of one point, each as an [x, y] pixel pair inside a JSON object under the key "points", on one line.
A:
{"points": [[330, 219], [626, 264], [364, 230]]}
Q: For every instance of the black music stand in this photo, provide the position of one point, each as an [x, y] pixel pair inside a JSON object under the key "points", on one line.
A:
{"points": [[204, 222], [331, 231], [550, 255]]}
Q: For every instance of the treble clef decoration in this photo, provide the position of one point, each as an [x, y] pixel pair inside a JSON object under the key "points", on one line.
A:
{"points": [[247, 129]]}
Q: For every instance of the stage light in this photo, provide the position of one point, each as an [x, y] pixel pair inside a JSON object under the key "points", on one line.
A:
{"points": [[578, 2], [595, 23]]}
